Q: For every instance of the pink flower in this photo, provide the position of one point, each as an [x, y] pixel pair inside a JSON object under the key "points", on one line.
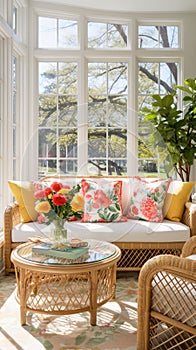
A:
{"points": [[39, 194], [101, 199], [85, 186], [37, 186], [148, 208], [95, 205], [41, 219], [134, 210], [86, 217], [66, 186]]}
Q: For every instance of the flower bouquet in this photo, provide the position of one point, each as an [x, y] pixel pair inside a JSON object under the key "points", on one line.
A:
{"points": [[56, 204]]}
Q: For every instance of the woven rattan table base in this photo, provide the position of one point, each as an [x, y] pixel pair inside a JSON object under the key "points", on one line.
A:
{"points": [[60, 290]]}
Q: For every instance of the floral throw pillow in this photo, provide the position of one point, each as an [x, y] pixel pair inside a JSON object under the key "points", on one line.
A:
{"points": [[102, 201], [147, 199]]}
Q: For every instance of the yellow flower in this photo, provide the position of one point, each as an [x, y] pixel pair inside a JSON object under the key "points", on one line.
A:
{"points": [[64, 190], [43, 207], [77, 202]]}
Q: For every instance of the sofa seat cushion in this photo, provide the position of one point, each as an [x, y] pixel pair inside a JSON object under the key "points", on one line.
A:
{"points": [[130, 231]]}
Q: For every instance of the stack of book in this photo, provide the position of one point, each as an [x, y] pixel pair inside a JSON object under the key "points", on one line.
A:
{"points": [[59, 251]]}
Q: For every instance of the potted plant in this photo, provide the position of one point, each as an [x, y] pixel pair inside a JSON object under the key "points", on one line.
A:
{"points": [[175, 128]]}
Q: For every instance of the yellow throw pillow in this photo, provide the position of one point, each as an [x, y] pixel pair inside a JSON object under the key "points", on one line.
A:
{"points": [[178, 194], [23, 191]]}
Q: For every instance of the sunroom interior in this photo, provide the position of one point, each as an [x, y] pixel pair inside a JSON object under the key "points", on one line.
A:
{"points": [[74, 79]]}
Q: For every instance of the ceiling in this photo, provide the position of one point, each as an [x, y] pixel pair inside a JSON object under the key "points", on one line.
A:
{"points": [[131, 5]]}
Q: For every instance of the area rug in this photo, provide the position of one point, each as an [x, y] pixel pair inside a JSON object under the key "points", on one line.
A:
{"points": [[116, 327]]}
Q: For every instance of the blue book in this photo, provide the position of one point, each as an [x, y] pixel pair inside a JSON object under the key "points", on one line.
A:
{"points": [[65, 253]]}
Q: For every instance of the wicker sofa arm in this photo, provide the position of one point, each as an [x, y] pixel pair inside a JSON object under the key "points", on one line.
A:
{"points": [[189, 217], [166, 303], [12, 218]]}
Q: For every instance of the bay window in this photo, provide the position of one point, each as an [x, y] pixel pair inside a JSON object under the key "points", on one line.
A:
{"points": [[112, 96], [73, 85]]}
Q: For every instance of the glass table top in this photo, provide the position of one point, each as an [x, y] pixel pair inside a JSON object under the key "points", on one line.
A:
{"points": [[97, 251]]}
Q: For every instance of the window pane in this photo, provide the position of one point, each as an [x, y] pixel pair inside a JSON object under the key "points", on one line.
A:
{"points": [[67, 111], [46, 166], [107, 35], [68, 33], [117, 143], [117, 78], [47, 37], [68, 166], [14, 19], [67, 78], [47, 143], [57, 33], [153, 78], [150, 36], [14, 111], [47, 110], [47, 77], [67, 141], [58, 114], [107, 111], [97, 143], [148, 78], [117, 111], [97, 103], [169, 36]]}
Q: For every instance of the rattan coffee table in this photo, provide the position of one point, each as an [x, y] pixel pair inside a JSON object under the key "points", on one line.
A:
{"points": [[58, 286]]}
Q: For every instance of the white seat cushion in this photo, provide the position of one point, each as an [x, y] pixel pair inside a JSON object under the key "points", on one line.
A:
{"points": [[130, 231]]}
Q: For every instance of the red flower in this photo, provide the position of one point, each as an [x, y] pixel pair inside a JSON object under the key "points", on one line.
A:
{"points": [[56, 186], [47, 191], [58, 199]]}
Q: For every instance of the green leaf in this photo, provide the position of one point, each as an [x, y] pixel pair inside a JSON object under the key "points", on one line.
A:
{"points": [[187, 98], [112, 208], [167, 100], [114, 217], [183, 88]]}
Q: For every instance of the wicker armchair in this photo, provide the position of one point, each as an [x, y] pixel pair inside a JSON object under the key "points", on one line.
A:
{"points": [[167, 301]]}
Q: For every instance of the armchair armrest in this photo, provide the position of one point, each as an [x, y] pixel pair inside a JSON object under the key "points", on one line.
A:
{"points": [[189, 217], [189, 247], [166, 303]]}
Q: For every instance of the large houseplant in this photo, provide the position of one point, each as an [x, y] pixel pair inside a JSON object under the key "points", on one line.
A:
{"points": [[175, 128]]}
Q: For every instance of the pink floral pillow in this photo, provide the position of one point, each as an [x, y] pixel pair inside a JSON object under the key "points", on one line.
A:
{"points": [[102, 201], [147, 199]]}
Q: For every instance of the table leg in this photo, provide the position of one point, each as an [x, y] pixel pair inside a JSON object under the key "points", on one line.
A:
{"points": [[22, 297], [93, 298]]}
